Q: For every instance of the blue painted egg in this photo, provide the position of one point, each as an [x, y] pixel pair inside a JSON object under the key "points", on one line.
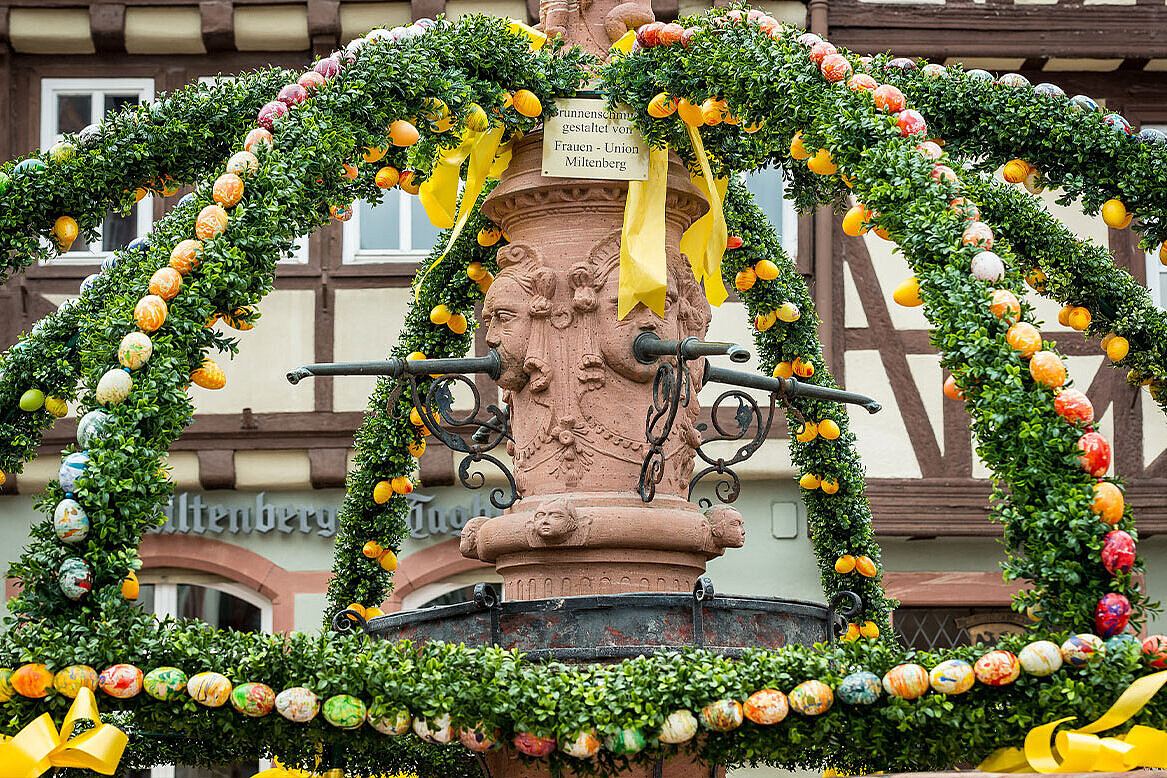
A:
{"points": [[1083, 649], [1118, 123], [1049, 89], [87, 284], [1152, 137], [27, 166], [70, 522], [186, 199], [1124, 644], [142, 243], [91, 426], [976, 74], [72, 466], [109, 263], [75, 578], [1084, 103], [861, 688]]}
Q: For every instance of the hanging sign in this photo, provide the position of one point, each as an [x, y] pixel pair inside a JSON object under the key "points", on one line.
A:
{"points": [[586, 139]]}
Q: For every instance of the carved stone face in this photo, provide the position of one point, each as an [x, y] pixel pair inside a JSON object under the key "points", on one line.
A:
{"points": [[728, 526], [615, 336], [508, 329], [555, 521]]}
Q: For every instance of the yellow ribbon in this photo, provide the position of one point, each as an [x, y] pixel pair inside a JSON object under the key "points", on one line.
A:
{"points": [[437, 199], [1081, 750], [704, 241], [37, 747], [643, 265], [624, 44], [536, 38]]}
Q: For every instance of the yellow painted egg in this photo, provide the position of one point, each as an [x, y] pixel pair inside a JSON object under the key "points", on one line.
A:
{"points": [[56, 406], [209, 689], [135, 350], [73, 678], [209, 375], [6, 690], [166, 282], [526, 103], [243, 164], [185, 256], [457, 324], [130, 586], [810, 698]]}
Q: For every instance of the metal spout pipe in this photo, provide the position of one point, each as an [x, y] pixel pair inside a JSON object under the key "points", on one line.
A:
{"points": [[395, 368], [786, 387], [649, 347]]}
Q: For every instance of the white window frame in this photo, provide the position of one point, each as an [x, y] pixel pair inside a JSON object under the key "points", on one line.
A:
{"points": [[96, 88], [353, 254], [788, 229], [300, 254], [1156, 270]]}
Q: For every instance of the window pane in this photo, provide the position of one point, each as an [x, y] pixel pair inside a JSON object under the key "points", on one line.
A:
{"points": [[73, 112], [145, 601], [379, 224], [425, 235], [117, 102], [1163, 290], [118, 230], [766, 186], [217, 608]]}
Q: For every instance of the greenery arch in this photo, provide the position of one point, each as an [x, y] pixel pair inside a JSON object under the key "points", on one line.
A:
{"points": [[767, 77]]}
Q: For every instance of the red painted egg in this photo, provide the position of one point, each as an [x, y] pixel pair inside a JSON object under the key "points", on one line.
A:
{"points": [[861, 82], [911, 122], [533, 745], [1112, 614], [311, 81], [1118, 551], [270, 112], [888, 98], [327, 67], [820, 51], [1073, 406], [1095, 456], [292, 94], [930, 150], [1155, 651]]}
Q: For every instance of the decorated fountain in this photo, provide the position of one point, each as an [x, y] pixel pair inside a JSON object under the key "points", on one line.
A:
{"points": [[608, 649]]}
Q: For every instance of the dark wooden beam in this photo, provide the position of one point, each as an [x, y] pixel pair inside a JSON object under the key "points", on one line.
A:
{"points": [[216, 468], [107, 27], [426, 9], [323, 26], [218, 17], [1034, 63], [327, 467]]}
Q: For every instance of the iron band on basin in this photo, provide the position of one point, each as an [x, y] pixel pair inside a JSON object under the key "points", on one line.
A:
{"points": [[598, 628]]}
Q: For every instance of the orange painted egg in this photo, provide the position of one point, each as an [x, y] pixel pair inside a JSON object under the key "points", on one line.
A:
{"points": [[209, 376], [403, 133], [32, 680], [768, 706], [810, 698], [185, 256], [371, 154], [1074, 406], [721, 715], [386, 177], [1025, 338], [951, 390], [526, 103], [977, 234], [1047, 369], [256, 138], [121, 681], [166, 282], [73, 678], [908, 681], [243, 164], [239, 318], [1005, 303], [150, 313], [227, 190], [209, 689], [1108, 502], [997, 668], [211, 221], [865, 566]]}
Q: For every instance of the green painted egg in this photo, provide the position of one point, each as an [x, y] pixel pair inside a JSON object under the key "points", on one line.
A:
{"points": [[32, 400], [165, 683], [344, 711], [253, 699]]}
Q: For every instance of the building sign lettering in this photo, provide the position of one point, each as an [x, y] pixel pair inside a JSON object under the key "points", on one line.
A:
{"points": [[586, 139]]}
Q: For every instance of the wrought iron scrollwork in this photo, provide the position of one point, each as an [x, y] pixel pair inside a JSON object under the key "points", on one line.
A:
{"points": [[489, 425], [348, 620], [748, 416], [843, 607], [671, 390]]}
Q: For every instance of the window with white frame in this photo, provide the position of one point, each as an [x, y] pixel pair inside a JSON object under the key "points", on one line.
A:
{"points": [[221, 604], [767, 186], [67, 106], [298, 255], [397, 230], [1156, 267]]}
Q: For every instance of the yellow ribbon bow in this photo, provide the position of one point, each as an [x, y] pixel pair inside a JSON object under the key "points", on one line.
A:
{"points": [[38, 747], [1081, 750], [536, 38], [704, 241]]}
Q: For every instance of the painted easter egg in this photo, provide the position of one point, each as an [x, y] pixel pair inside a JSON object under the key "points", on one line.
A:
{"points": [[976, 74], [121, 681], [253, 699], [89, 135], [256, 137], [1151, 136], [32, 400], [88, 282], [953, 676], [298, 704], [75, 578], [1112, 614], [1074, 406], [997, 668], [977, 234], [166, 282], [1084, 103], [1082, 650], [135, 350], [987, 266], [1013, 80], [1155, 651], [186, 255], [583, 744], [70, 521], [1125, 643], [908, 681], [150, 313], [859, 688], [165, 683], [1094, 453], [811, 698], [28, 166], [1040, 658], [6, 690], [344, 711], [72, 466], [533, 745], [1047, 88], [391, 721], [768, 706], [435, 729], [934, 70], [721, 715], [243, 164], [1118, 551], [211, 221], [1048, 369], [70, 680], [209, 375], [32, 680], [209, 689], [1118, 123], [625, 742], [268, 114], [477, 739], [679, 727], [91, 427], [227, 190], [113, 386]]}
